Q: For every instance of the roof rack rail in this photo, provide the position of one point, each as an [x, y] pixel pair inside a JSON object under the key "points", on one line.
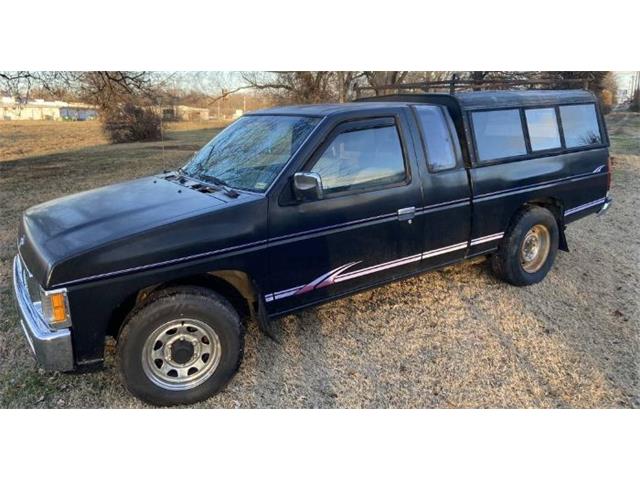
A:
{"points": [[456, 82]]}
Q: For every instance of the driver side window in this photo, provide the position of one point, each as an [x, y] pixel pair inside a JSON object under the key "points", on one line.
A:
{"points": [[361, 159]]}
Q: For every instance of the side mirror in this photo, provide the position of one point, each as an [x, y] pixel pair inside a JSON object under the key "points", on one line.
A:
{"points": [[307, 186]]}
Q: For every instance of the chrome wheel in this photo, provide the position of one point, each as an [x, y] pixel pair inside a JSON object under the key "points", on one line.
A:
{"points": [[181, 354], [535, 248]]}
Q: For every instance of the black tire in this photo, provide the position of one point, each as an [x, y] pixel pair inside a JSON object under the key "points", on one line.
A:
{"points": [[506, 262], [161, 308]]}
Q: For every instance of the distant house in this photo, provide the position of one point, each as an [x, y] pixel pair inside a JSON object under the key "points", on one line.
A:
{"points": [[78, 112], [183, 113], [38, 109]]}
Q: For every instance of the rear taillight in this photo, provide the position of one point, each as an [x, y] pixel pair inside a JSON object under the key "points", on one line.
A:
{"points": [[608, 173]]}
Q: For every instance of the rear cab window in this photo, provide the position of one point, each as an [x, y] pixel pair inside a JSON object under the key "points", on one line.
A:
{"points": [[437, 137]]}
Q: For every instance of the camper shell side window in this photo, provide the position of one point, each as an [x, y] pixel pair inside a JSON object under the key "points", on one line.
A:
{"points": [[517, 133]]}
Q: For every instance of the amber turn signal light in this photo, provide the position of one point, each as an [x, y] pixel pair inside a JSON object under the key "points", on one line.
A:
{"points": [[55, 308], [58, 308]]}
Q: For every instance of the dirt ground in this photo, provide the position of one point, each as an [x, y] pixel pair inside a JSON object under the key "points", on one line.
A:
{"points": [[452, 338]]}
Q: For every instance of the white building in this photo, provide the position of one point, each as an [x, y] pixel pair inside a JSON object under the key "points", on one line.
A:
{"points": [[182, 113], [38, 109]]}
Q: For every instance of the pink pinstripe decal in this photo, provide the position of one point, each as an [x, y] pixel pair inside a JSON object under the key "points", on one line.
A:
{"points": [[378, 268], [326, 279], [337, 275], [334, 276]]}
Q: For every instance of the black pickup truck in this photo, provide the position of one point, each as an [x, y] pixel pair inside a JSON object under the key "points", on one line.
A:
{"points": [[295, 206]]}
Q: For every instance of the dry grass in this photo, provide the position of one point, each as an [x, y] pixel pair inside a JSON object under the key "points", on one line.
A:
{"points": [[624, 131], [20, 139], [29, 138], [454, 338]]}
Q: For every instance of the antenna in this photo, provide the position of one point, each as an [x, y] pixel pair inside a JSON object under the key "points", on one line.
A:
{"points": [[164, 164]]}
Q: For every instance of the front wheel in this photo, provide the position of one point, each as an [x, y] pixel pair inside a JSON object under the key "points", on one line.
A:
{"points": [[181, 346], [529, 248]]}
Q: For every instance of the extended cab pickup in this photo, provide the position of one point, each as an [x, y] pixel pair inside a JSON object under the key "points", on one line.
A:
{"points": [[295, 206]]}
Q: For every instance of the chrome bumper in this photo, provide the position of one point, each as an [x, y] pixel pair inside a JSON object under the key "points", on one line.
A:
{"points": [[605, 206], [52, 348]]}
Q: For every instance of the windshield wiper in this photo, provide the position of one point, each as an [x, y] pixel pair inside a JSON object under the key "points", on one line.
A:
{"points": [[224, 186], [183, 175], [218, 182]]}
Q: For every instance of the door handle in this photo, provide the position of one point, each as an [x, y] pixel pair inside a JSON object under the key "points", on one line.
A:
{"points": [[405, 214]]}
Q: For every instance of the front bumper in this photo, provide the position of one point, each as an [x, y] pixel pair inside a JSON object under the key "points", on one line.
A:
{"points": [[52, 348]]}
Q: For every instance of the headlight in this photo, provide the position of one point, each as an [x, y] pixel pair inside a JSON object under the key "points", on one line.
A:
{"points": [[55, 308]]}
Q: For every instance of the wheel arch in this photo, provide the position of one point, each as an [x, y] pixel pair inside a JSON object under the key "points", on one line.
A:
{"points": [[556, 207], [238, 287]]}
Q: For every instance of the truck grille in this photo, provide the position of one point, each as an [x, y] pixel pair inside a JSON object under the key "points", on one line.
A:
{"points": [[30, 284]]}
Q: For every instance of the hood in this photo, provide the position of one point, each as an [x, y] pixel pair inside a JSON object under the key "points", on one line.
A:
{"points": [[126, 225]]}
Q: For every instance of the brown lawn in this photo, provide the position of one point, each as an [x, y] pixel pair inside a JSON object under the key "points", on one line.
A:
{"points": [[31, 138]]}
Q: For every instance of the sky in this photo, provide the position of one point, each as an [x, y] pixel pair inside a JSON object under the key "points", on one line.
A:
{"points": [[624, 80]]}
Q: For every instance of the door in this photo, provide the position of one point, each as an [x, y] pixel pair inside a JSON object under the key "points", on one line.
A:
{"points": [[446, 213], [362, 232]]}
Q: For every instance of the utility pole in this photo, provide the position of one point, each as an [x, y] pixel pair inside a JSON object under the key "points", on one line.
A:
{"points": [[219, 105]]}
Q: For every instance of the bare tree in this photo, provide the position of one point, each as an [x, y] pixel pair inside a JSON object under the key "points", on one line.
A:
{"points": [[378, 79], [106, 88], [121, 97], [295, 87], [318, 86], [21, 83], [102, 88], [346, 82]]}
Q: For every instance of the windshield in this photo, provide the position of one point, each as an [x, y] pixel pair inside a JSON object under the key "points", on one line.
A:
{"points": [[250, 152]]}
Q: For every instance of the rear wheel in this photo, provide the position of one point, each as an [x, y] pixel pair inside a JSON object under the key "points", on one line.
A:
{"points": [[535, 248], [181, 346], [529, 248]]}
